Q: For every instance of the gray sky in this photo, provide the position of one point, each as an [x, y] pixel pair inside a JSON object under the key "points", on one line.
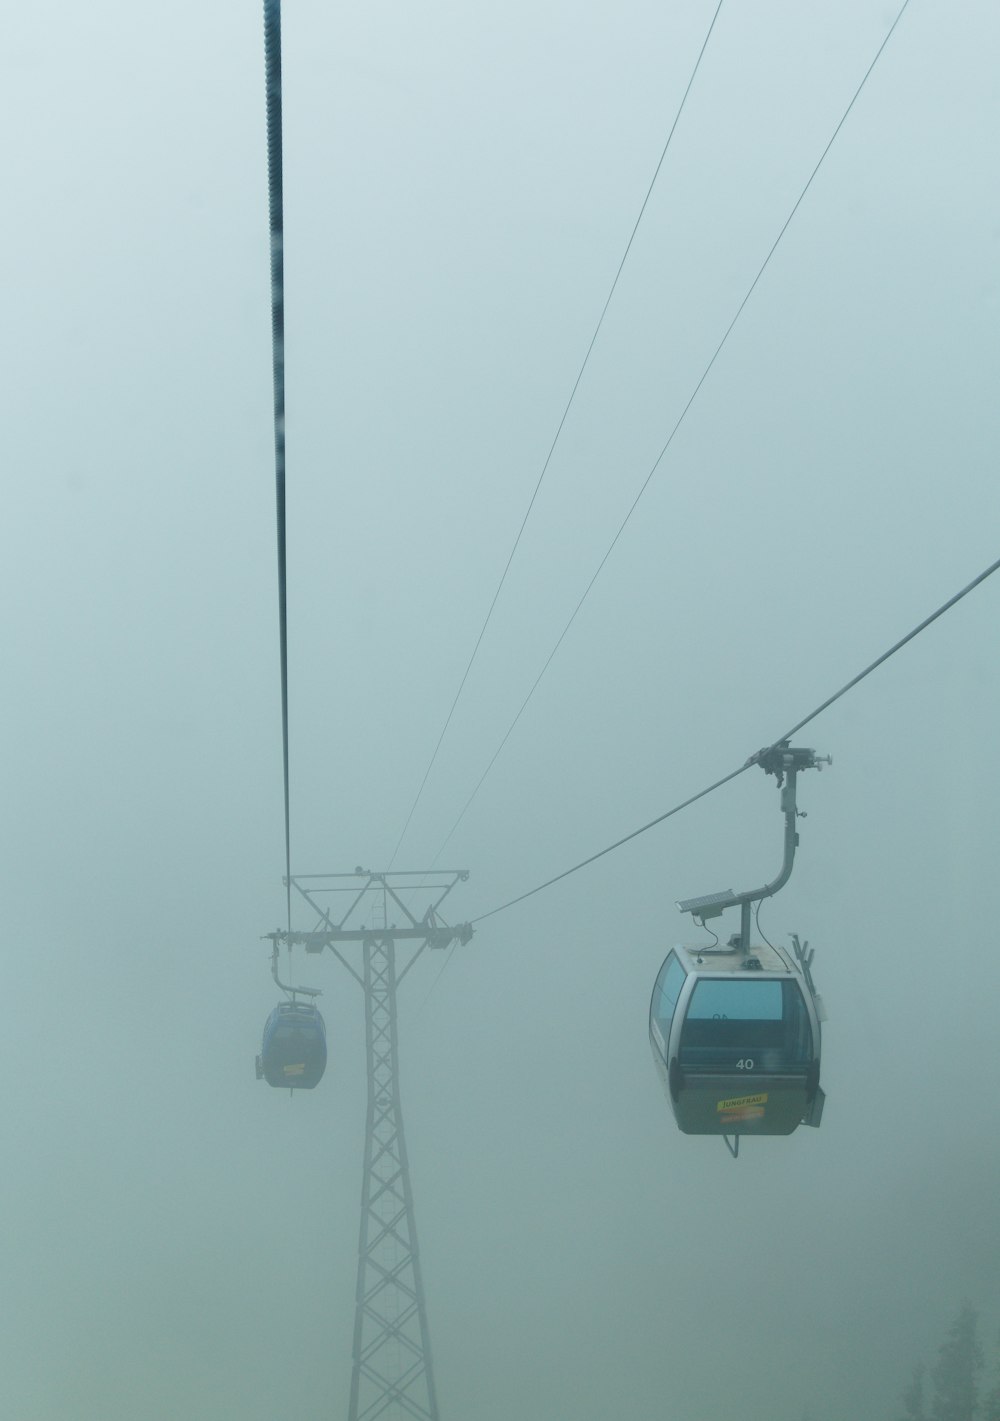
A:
{"points": [[460, 184]]}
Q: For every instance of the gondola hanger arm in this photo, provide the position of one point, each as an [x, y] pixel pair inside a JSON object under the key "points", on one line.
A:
{"points": [[784, 762]]}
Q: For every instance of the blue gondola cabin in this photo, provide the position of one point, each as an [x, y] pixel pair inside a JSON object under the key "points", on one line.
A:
{"points": [[293, 1052]]}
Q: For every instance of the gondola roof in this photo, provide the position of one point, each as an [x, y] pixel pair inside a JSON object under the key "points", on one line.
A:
{"points": [[767, 959]]}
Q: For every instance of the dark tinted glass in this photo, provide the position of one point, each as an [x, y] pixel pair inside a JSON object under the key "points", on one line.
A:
{"points": [[746, 1023], [746, 998]]}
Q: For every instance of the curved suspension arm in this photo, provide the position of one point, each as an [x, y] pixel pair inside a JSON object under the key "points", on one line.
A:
{"points": [[293, 991], [784, 762]]}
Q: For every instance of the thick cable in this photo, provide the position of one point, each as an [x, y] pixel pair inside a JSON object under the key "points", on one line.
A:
{"points": [[616, 845], [897, 646], [988, 572], [680, 420], [559, 430], [272, 71]]}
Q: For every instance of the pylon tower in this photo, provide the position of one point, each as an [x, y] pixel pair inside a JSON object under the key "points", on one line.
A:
{"points": [[392, 1375], [392, 1372]]}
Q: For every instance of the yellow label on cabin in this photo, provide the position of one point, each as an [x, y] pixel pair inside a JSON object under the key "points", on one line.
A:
{"points": [[294, 1070], [742, 1115], [741, 1100]]}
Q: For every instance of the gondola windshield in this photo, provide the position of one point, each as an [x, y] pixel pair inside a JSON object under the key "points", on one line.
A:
{"points": [[749, 1024]]}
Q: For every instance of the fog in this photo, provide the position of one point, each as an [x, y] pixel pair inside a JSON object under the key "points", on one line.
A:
{"points": [[460, 183]]}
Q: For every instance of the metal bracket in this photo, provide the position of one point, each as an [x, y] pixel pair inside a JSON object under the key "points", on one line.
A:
{"points": [[293, 991], [784, 762]]}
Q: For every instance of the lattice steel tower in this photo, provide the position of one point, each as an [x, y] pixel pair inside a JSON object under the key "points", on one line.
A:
{"points": [[392, 1375]]}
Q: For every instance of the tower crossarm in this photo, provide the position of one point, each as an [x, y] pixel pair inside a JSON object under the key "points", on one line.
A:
{"points": [[437, 934]]}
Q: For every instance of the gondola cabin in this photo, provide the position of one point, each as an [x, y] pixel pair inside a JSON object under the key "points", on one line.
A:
{"points": [[736, 1040], [293, 1053]]}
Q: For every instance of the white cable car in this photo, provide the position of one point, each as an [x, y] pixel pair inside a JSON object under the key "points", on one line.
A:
{"points": [[735, 1030], [736, 1040]]}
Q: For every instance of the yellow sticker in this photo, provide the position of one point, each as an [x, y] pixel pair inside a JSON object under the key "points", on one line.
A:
{"points": [[740, 1100], [743, 1112], [294, 1070]]}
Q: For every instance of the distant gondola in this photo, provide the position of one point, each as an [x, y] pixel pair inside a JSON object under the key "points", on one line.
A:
{"points": [[293, 1053]]}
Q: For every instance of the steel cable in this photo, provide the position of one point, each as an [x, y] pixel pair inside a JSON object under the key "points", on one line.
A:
{"points": [[680, 420], [555, 441], [753, 760], [272, 70]]}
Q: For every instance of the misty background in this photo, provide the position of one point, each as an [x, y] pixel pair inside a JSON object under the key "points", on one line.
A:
{"points": [[460, 183]]}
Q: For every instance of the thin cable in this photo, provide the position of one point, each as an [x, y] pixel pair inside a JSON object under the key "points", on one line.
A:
{"points": [[680, 420], [272, 71], [559, 430], [756, 915], [988, 572], [713, 935], [433, 986]]}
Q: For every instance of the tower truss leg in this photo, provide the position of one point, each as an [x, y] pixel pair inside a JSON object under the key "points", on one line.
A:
{"points": [[392, 1375]]}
